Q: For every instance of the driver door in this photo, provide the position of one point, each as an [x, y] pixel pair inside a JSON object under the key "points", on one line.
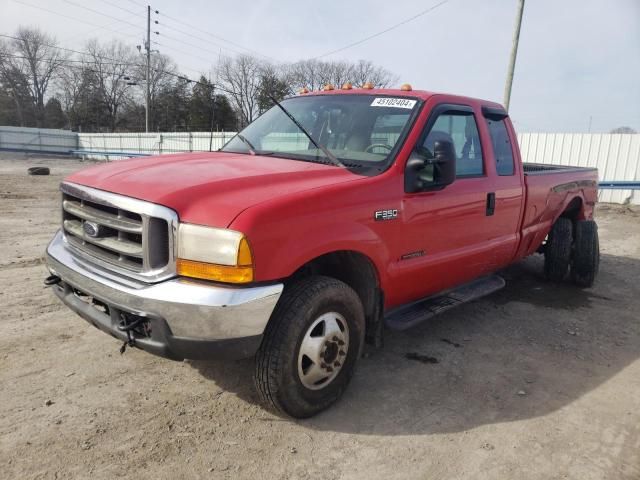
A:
{"points": [[445, 238]]}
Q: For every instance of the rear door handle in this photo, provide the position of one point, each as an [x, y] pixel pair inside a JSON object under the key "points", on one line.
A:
{"points": [[491, 203]]}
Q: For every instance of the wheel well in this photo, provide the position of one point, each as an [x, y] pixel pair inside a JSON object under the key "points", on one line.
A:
{"points": [[358, 271], [572, 212], [573, 209]]}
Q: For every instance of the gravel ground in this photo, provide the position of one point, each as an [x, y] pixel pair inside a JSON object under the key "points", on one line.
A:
{"points": [[537, 381]]}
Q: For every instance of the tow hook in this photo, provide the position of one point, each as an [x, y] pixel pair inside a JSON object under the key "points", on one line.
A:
{"points": [[52, 280], [132, 324]]}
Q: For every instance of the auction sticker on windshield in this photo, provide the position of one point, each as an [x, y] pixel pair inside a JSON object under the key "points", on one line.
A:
{"points": [[393, 102]]}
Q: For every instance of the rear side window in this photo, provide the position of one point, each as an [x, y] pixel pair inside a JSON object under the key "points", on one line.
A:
{"points": [[459, 128], [501, 147]]}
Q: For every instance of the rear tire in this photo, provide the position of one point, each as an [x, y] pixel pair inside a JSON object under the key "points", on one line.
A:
{"points": [[557, 252], [280, 376], [586, 254]]}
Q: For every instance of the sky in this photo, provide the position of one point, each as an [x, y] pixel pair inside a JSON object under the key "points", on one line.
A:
{"points": [[578, 65]]}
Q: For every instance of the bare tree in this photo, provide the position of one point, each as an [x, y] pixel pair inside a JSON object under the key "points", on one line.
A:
{"points": [[110, 64], [71, 83], [164, 73], [77, 89], [12, 82], [314, 74], [32, 59], [240, 77], [365, 71], [625, 130], [305, 73]]}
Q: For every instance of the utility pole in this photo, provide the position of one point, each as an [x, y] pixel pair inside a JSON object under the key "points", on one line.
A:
{"points": [[514, 53], [213, 104], [148, 47]]}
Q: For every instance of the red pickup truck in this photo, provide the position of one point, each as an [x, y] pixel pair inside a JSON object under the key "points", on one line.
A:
{"points": [[332, 215]]}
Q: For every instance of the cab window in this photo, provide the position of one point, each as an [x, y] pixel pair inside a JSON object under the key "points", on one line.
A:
{"points": [[461, 129], [501, 147]]}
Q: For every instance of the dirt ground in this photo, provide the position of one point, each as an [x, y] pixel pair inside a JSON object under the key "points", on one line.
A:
{"points": [[537, 381]]}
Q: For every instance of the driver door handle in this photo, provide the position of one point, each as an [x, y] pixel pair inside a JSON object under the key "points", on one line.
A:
{"points": [[491, 204]]}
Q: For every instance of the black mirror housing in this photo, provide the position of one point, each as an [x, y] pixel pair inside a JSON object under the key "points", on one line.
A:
{"points": [[425, 171], [445, 162]]}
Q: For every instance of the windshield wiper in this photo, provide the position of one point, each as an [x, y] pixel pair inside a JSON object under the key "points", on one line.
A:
{"points": [[252, 149], [329, 155]]}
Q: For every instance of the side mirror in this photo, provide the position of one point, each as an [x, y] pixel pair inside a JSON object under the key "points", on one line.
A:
{"points": [[425, 171], [445, 162]]}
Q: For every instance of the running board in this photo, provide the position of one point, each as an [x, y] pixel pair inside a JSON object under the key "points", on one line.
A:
{"points": [[417, 312]]}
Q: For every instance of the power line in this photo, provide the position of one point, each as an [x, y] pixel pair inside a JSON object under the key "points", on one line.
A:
{"points": [[71, 64], [59, 48], [188, 44], [382, 32], [212, 35], [116, 62], [122, 8], [167, 26], [196, 37], [72, 18], [183, 52], [100, 13], [140, 4], [75, 35]]}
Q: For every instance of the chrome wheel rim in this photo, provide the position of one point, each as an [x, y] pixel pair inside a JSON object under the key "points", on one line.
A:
{"points": [[323, 351]]}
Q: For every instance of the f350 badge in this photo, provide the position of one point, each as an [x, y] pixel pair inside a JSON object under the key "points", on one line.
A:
{"points": [[381, 215]]}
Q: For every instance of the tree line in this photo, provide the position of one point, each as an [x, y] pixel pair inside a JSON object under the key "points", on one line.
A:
{"points": [[102, 87]]}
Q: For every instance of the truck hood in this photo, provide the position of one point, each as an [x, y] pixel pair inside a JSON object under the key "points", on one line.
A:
{"points": [[209, 188]]}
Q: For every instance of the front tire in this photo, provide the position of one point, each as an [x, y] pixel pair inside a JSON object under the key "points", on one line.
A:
{"points": [[310, 346]]}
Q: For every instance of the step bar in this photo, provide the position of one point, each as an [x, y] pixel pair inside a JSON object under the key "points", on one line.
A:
{"points": [[415, 313]]}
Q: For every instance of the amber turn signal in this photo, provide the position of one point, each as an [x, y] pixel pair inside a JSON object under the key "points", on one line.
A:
{"points": [[245, 257], [217, 273]]}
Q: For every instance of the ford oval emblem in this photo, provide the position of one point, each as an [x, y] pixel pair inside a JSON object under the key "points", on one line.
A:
{"points": [[92, 229]]}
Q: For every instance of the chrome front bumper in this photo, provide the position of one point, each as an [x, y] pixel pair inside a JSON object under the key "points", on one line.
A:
{"points": [[183, 313]]}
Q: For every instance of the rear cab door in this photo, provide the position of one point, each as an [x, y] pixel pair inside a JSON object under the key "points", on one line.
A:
{"points": [[509, 190]]}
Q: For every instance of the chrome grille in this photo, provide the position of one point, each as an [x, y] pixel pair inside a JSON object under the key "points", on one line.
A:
{"points": [[122, 234]]}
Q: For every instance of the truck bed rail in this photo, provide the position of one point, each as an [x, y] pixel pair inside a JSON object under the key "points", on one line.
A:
{"points": [[542, 169]]}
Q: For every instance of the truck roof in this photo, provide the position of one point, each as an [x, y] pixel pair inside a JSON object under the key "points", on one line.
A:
{"points": [[396, 92]]}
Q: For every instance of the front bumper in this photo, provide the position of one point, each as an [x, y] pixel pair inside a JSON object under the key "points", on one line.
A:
{"points": [[187, 318]]}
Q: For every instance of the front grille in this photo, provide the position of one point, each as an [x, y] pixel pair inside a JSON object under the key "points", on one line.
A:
{"points": [[120, 233]]}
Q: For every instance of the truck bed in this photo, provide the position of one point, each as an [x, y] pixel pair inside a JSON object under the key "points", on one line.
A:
{"points": [[549, 190]]}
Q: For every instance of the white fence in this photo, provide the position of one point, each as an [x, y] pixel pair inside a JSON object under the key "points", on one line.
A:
{"points": [[616, 156], [152, 143], [46, 140]]}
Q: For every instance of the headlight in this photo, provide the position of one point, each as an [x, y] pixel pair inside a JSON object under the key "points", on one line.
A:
{"points": [[213, 254]]}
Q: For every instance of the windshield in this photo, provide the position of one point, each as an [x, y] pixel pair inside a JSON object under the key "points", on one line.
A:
{"points": [[361, 131]]}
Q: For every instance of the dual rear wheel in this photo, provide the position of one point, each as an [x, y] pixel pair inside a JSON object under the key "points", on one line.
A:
{"points": [[572, 248]]}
